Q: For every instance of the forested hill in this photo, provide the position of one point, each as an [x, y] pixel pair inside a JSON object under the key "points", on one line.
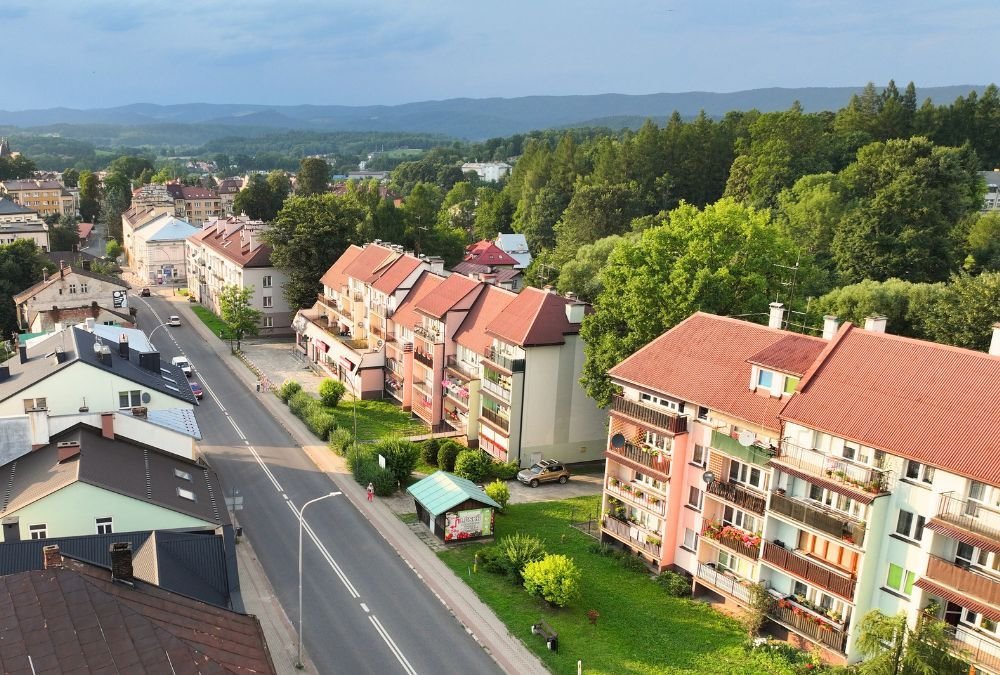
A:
{"points": [[473, 119]]}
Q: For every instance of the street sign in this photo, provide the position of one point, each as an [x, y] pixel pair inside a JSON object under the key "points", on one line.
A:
{"points": [[235, 503], [381, 461]]}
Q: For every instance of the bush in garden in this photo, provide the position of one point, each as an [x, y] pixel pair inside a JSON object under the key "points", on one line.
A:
{"points": [[674, 584], [340, 439], [400, 457], [363, 464], [473, 465], [288, 389], [516, 551], [320, 422], [331, 391], [447, 453], [492, 560], [633, 563], [499, 492], [505, 470], [299, 403], [555, 578], [429, 451]]}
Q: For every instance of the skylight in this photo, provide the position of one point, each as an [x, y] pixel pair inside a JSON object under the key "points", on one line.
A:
{"points": [[185, 494], [183, 475], [172, 388]]}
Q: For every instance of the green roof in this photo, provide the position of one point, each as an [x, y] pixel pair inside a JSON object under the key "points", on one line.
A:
{"points": [[24, 337], [442, 491]]}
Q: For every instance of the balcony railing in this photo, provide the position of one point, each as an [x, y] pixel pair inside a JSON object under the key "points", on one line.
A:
{"points": [[644, 456], [661, 419], [457, 391], [424, 389], [463, 369], [422, 406], [622, 530], [832, 468], [733, 538], [970, 515], [508, 363], [495, 389], [637, 494], [755, 453], [380, 309], [964, 579], [423, 357], [427, 334], [358, 345], [738, 495], [974, 647], [724, 582], [809, 513], [803, 567], [806, 622], [496, 419], [332, 304], [358, 296]]}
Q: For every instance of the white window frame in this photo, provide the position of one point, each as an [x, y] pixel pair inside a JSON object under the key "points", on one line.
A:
{"points": [[268, 322], [267, 301], [698, 455], [38, 531], [134, 396], [690, 539], [915, 526], [760, 376], [662, 402], [699, 498], [924, 472], [741, 519], [742, 473], [105, 525], [266, 281]]}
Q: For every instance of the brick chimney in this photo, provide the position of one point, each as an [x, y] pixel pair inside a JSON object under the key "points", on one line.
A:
{"points": [[51, 558], [121, 562], [875, 323], [108, 425]]}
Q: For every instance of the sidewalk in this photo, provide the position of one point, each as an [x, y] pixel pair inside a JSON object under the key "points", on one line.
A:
{"points": [[478, 619]]}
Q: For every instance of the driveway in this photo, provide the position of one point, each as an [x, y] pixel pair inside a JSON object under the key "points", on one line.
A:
{"points": [[579, 485]]}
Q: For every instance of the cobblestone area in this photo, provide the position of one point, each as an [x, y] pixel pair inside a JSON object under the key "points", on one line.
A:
{"points": [[280, 361]]}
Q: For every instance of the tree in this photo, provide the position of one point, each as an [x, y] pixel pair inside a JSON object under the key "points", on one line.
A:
{"points": [[494, 213], [307, 235], [281, 187], [113, 249], [723, 259], [905, 304], [498, 492], [12, 168], [555, 578], [420, 215], [313, 177], [258, 199], [890, 647], [130, 167], [89, 196], [71, 177], [21, 265], [115, 201], [64, 234], [811, 211], [331, 391], [964, 311], [982, 242], [582, 274], [595, 212], [761, 602], [473, 465], [240, 317]]}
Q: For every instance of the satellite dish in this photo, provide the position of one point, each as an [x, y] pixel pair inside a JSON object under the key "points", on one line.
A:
{"points": [[379, 344], [618, 441], [746, 438], [708, 477], [145, 397]]}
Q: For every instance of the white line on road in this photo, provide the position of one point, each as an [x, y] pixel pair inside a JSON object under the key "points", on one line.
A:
{"points": [[365, 607], [267, 471], [392, 645], [326, 554]]}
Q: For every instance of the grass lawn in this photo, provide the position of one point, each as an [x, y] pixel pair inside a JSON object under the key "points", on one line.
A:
{"points": [[213, 322], [640, 629], [377, 419]]}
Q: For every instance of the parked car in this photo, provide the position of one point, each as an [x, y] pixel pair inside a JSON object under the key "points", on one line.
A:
{"points": [[145, 293], [183, 364], [196, 390], [174, 321], [545, 471]]}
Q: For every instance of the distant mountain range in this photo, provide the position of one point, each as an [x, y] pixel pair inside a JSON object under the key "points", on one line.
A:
{"points": [[473, 119]]}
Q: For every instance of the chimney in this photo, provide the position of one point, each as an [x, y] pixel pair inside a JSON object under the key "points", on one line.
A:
{"points": [[995, 342], [123, 346], [51, 558], [830, 326], [777, 315], [150, 361], [4, 373], [86, 264], [105, 355], [62, 268], [121, 562], [575, 312], [488, 278], [60, 356], [45, 275], [549, 288], [436, 264], [22, 353], [91, 322], [38, 425], [875, 323], [108, 425]]}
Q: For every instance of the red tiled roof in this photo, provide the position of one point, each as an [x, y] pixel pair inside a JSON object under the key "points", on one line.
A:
{"points": [[473, 270], [936, 404], [703, 359], [335, 277], [406, 314], [490, 304], [84, 229], [189, 193], [534, 318], [793, 354], [396, 273], [448, 294], [487, 253], [367, 266], [236, 246]]}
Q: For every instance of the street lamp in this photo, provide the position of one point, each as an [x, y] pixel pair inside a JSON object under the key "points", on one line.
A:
{"points": [[300, 513], [149, 336]]}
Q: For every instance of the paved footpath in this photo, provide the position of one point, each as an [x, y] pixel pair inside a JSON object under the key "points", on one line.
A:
{"points": [[478, 619]]}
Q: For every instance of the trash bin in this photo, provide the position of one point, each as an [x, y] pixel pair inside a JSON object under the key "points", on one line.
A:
{"points": [[552, 643], [258, 387]]}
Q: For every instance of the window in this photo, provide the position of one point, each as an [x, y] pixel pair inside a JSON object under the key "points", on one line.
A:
{"points": [[267, 300], [910, 526], [104, 525], [35, 404], [129, 399], [919, 472], [735, 564], [266, 282], [702, 413], [690, 539], [790, 384], [900, 580], [748, 474], [185, 494], [183, 475], [740, 519], [83, 286], [39, 531], [662, 402], [72, 289], [765, 378], [657, 441], [695, 497], [837, 501], [698, 457], [268, 322]]}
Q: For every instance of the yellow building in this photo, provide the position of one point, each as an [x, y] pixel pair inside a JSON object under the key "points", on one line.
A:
{"points": [[45, 197]]}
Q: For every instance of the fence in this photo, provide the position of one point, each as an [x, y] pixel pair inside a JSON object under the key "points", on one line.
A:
{"points": [[263, 382]]}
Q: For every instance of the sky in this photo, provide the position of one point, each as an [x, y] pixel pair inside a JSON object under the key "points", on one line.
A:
{"points": [[102, 53]]}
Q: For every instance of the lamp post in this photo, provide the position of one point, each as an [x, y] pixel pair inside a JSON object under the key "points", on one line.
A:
{"points": [[301, 514], [149, 337]]}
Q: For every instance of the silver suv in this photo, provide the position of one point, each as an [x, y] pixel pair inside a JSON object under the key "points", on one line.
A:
{"points": [[545, 471]]}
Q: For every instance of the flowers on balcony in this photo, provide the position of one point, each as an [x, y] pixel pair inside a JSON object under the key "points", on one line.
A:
{"points": [[713, 529], [653, 540]]}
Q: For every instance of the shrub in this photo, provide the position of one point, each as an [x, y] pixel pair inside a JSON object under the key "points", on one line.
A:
{"points": [[473, 465], [400, 457], [340, 440], [676, 585], [601, 548], [505, 470], [299, 403], [633, 563], [499, 492], [321, 422], [331, 391], [516, 551], [555, 578], [363, 463], [429, 451], [447, 453], [492, 560], [288, 389]]}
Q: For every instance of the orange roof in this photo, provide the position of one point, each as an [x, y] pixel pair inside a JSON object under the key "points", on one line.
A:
{"points": [[334, 277], [534, 318], [793, 354], [936, 404], [485, 252], [235, 246], [447, 295], [367, 266], [704, 360], [490, 304], [396, 273], [406, 314]]}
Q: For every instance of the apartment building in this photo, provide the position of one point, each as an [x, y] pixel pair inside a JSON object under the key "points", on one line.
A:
{"points": [[157, 247], [72, 295], [232, 252], [45, 197], [842, 472], [195, 204], [228, 189]]}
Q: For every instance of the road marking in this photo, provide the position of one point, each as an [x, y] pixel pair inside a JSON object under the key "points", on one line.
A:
{"points": [[392, 645], [267, 471], [365, 607], [238, 431], [326, 554]]}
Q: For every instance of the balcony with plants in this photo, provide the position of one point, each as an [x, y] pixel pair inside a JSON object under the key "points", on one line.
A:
{"points": [[423, 356], [808, 569], [461, 369], [660, 418], [858, 477], [626, 527], [825, 627], [504, 359], [655, 460], [733, 538], [638, 494], [456, 390], [819, 517], [969, 515]]}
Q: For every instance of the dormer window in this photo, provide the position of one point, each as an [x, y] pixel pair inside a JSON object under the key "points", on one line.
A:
{"points": [[790, 384], [765, 378]]}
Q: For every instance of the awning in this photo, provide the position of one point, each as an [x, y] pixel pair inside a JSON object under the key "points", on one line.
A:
{"points": [[964, 536], [840, 488], [989, 611], [322, 346]]}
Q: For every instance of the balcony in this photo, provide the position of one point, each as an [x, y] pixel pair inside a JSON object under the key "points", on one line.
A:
{"points": [[358, 296], [815, 463], [739, 541], [423, 408], [737, 495], [495, 419], [968, 515], [463, 369], [358, 345], [496, 390], [457, 391], [506, 362], [637, 494], [333, 305], [809, 624], [664, 420], [624, 531], [755, 454], [804, 568], [423, 357], [424, 388], [825, 520], [427, 334], [659, 463], [380, 309], [966, 580], [974, 647], [727, 583]]}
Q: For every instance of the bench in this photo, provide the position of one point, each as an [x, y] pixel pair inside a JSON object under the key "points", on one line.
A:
{"points": [[545, 630]]}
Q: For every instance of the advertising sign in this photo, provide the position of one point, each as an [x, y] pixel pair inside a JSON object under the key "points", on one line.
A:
{"points": [[119, 299], [468, 524]]}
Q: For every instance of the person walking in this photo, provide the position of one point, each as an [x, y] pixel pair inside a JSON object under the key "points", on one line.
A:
{"points": [[371, 492]]}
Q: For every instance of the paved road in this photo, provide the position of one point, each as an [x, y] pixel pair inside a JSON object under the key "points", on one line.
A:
{"points": [[365, 609]]}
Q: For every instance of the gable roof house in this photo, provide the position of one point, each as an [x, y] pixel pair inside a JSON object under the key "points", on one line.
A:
{"points": [[487, 262], [72, 295], [46, 197]]}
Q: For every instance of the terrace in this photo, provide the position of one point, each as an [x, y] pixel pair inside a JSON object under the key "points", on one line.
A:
{"points": [[836, 470], [825, 520], [662, 419]]}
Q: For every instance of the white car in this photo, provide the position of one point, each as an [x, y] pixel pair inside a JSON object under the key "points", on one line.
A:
{"points": [[183, 364], [174, 321]]}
